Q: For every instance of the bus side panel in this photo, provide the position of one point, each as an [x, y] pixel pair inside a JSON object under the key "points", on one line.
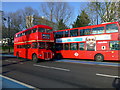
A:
{"points": [[20, 51], [77, 54], [112, 55], [73, 54], [31, 51]]}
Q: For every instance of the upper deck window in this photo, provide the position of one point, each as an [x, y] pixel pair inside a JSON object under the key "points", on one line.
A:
{"points": [[34, 30], [85, 32], [41, 30], [59, 34], [110, 28], [45, 36], [98, 30], [28, 32], [23, 33], [49, 30], [66, 33], [74, 32]]}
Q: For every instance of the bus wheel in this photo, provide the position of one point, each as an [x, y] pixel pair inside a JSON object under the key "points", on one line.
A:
{"points": [[99, 57], [34, 58]]}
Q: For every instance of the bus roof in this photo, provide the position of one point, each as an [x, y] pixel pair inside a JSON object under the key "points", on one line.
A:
{"points": [[36, 26], [91, 26]]}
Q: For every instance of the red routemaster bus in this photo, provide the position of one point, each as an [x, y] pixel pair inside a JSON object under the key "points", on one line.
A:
{"points": [[34, 43], [96, 42]]}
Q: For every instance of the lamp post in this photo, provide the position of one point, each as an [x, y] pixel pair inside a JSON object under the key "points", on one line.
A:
{"points": [[9, 36]]}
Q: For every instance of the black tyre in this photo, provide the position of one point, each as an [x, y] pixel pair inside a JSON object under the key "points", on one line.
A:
{"points": [[34, 58], [99, 57]]}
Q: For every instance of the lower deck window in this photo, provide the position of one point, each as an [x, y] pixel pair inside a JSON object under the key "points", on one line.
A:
{"points": [[41, 45], [74, 46], [66, 46], [114, 45], [82, 46]]}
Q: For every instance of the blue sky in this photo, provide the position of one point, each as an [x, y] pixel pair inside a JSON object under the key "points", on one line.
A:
{"points": [[14, 6]]}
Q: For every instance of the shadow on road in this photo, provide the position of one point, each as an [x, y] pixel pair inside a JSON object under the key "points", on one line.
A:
{"points": [[4, 72], [18, 61], [116, 83]]}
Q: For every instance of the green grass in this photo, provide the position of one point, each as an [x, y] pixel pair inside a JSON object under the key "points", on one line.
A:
{"points": [[6, 49]]}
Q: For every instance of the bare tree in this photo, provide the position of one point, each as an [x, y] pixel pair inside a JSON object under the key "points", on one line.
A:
{"points": [[17, 20], [48, 10], [56, 11], [102, 10]]}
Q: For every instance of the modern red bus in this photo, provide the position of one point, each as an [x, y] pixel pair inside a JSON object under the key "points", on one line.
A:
{"points": [[96, 42], [34, 43]]}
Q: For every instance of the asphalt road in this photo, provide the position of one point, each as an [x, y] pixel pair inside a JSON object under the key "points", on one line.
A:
{"points": [[53, 74]]}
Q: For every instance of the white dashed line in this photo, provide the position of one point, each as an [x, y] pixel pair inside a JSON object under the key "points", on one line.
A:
{"points": [[104, 75], [52, 67]]}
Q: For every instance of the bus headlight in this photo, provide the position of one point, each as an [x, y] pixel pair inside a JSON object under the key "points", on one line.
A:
{"points": [[112, 51], [40, 54], [53, 54]]}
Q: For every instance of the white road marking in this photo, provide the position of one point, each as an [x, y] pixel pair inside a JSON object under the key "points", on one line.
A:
{"points": [[14, 61], [6, 60], [104, 75], [52, 67], [29, 86]]}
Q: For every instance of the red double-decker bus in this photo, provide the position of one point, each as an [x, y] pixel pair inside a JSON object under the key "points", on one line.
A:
{"points": [[34, 43], [96, 42]]}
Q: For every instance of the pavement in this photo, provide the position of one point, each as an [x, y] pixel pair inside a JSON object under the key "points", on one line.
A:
{"points": [[11, 83]]}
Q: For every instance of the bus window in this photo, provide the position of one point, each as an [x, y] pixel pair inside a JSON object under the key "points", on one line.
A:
{"points": [[66, 46], [28, 32], [82, 32], [59, 47], [74, 32], [24, 46], [81, 46], [66, 33], [34, 30], [98, 30], [74, 46], [87, 31], [49, 30], [41, 29], [45, 36], [110, 28], [59, 34], [23, 33], [28, 46], [20, 34], [34, 45], [41, 45], [114, 45]]}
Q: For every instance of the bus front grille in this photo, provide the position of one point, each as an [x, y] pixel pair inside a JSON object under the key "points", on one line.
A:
{"points": [[47, 55]]}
